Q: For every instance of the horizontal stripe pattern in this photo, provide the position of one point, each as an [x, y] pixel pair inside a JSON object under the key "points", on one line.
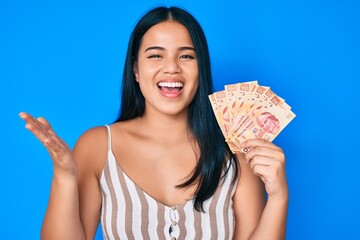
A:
{"points": [[128, 212]]}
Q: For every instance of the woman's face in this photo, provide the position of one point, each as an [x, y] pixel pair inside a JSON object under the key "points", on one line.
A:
{"points": [[167, 68]]}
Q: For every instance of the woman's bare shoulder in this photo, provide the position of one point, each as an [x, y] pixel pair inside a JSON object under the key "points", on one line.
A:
{"points": [[93, 145], [96, 136], [90, 150]]}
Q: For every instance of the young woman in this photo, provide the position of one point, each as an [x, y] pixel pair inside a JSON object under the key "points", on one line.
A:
{"points": [[163, 169]]}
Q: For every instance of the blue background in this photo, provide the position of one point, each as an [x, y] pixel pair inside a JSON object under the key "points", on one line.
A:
{"points": [[63, 60]]}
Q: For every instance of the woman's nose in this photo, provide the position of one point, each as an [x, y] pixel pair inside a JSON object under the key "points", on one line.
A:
{"points": [[171, 66]]}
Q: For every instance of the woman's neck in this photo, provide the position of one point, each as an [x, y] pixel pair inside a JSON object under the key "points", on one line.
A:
{"points": [[164, 127]]}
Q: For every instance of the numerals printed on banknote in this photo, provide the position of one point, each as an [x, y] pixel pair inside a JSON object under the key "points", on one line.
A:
{"points": [[248, 110]]}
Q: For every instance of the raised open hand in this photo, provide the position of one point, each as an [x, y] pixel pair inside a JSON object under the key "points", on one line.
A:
{"points": [[58, 149]]}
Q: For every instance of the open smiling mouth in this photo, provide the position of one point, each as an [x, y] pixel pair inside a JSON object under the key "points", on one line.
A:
{"points": [[170, 86]]}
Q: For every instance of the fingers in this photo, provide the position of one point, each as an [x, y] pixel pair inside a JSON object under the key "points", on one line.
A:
{"points": [[261, 148], [40, 125], [42, 130], [31, 121], [35, 126], [260, 171], [47, 125], [53, 146], [57, 148], [256, 142], [266, 167], [260, 160], [267, 161], [44, 122], [262, 155]]}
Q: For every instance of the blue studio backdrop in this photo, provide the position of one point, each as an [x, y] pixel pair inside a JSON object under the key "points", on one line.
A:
{"points": [[63, 60]]}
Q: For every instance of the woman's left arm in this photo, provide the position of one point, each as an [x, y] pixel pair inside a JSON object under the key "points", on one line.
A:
{"points": [[264, 161]]}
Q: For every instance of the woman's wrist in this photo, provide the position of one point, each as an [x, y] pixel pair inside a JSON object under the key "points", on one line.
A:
{"points": [[280, 198], [62, 177]]}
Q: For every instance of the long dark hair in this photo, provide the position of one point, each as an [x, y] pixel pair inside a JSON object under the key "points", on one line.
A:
{"points": [[211, 166]]}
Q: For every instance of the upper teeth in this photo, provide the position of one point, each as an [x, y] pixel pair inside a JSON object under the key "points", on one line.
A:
{"points": [[170, 84]]}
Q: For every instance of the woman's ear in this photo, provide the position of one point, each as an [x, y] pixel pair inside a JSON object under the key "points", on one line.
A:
{"points": [[136, 71]]}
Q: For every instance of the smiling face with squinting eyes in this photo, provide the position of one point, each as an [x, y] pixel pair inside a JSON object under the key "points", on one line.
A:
{"points": [[167, 68]]}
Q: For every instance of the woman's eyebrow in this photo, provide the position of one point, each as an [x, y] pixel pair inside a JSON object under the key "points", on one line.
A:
{"points": [[186, 48], [163, 49], [154, 48]]}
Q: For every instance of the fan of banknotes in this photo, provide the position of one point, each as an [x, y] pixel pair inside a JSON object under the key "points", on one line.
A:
{"points": [[247, 110]]}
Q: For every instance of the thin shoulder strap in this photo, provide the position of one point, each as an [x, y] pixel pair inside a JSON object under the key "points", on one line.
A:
{"points": [[109, 136]]}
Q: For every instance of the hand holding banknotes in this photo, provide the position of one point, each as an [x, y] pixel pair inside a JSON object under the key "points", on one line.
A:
{"points": [[267, 161], [250, 117]]}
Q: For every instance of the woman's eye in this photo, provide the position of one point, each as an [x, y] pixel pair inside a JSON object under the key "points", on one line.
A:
{"points": [[187, 57], [154, 56]]}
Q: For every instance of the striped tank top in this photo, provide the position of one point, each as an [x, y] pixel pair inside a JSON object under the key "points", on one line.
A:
{"points": [[128, 212]]}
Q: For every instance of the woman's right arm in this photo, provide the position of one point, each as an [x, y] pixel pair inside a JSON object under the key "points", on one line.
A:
{"points": [[74, 205]]}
